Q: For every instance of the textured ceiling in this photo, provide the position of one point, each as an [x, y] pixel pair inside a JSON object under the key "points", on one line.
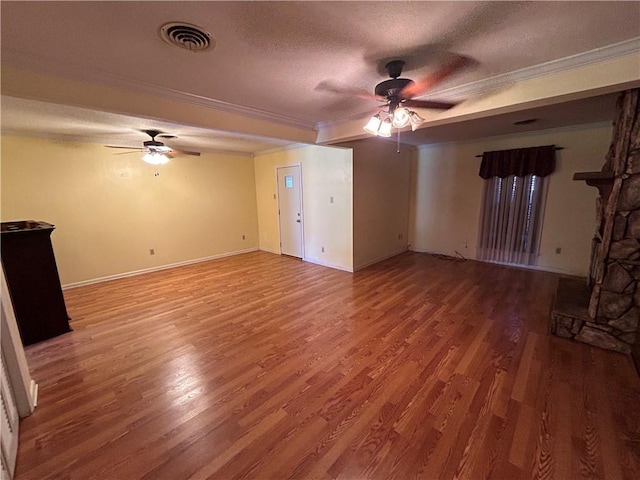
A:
{"points": [[62, 122], [271, 56]]}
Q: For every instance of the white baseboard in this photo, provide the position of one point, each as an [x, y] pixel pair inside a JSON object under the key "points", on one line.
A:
{"points": [[33, 393], [269, 250], [562, 271], [436, 252], [325, 264], [379, 259], [155, 269]]}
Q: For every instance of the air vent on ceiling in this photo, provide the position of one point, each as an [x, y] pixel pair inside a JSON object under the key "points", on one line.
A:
{"points": [[187, 36]]}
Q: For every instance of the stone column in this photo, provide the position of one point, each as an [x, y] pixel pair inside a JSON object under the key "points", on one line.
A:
{"points": [[614, 306]]}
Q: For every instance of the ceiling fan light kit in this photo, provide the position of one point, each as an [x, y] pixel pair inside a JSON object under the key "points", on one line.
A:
{"points": [[401, 117], [155, 158], [373, 125], [398, 92], [415, 120], [385, 128]]}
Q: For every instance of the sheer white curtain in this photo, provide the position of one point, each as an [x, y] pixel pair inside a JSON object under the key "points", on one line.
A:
{"points": [[511, 220]]}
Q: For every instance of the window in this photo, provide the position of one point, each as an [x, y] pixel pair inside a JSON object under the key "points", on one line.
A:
{"points": [[288, 181], [511, 221]]}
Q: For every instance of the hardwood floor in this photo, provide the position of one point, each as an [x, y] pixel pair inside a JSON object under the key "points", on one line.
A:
{"points": [[264, 367]]}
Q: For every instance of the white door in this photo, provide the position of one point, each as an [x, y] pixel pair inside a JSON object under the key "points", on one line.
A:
{"points": [[9, 433], [290, 210]]}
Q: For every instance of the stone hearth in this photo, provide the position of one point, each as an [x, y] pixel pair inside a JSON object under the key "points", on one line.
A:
{"points": [[604, 310], [570, 319]]}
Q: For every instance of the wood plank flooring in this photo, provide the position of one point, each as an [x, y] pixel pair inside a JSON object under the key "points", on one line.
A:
{"points": [[265, 367]]}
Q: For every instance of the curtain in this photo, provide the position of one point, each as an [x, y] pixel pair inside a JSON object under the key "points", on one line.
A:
{"points": [[513, 203], [539, 161], [511, 221]]}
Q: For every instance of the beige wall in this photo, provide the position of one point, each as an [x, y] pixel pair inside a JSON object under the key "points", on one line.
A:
{"points": [[110, 209], [447, 192], [326, 173], [267, 194], [381, 186]]}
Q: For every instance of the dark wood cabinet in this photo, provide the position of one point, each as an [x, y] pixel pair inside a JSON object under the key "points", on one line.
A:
{"points": [[32, 277]]}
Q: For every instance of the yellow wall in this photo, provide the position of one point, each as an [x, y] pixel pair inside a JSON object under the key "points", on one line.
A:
{"points": [[446, 196], [109, 209], [267, 194], [381, 185], [326, 173]]}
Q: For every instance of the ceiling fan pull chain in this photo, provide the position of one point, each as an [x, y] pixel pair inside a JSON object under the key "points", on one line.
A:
{"points": [[398, 145]]}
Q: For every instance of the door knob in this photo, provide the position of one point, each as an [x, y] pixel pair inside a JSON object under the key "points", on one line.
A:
{"points": [[298, 220]]}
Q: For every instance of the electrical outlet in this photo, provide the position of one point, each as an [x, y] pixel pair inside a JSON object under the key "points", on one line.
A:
{"points": [[399, 236], [243, 237], [330, 199], [558, 250], [322, 249], [152, 251]]}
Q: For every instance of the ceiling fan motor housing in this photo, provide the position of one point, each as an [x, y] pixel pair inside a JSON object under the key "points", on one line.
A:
{"points": [[392, 88], [155, 146], [394, 68], [153, 143]]}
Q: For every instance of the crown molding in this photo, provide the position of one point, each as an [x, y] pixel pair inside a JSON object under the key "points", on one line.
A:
{"points": [[559, 65], [349, 118], [236, 153], [497, 82], [46, 66], [283, 148], [295, 146], [480, 87]]}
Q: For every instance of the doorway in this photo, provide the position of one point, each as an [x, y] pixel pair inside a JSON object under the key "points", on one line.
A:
{"points": [[290, 210]]}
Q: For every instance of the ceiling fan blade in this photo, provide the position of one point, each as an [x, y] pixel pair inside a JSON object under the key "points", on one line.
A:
{"points": [[428, 104], [130, 148], [428, 82], [128, 153], [175, 151], [331, 87]]}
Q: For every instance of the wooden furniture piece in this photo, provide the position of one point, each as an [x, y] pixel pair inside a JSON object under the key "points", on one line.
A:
{"points": [[32, 277]]}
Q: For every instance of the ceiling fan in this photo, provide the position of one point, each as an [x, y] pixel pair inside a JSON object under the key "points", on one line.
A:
{"points": [[156, 152], [398, 94]]}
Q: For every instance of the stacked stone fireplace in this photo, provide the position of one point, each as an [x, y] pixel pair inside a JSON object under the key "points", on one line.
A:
{"points": [[604, 310]]}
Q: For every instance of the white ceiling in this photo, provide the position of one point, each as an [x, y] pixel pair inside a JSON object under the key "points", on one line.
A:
{"points": [[63, 122], [270, 58]]}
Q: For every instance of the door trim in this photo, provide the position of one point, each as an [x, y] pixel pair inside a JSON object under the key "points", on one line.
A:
{"points": [[299, 165]]}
